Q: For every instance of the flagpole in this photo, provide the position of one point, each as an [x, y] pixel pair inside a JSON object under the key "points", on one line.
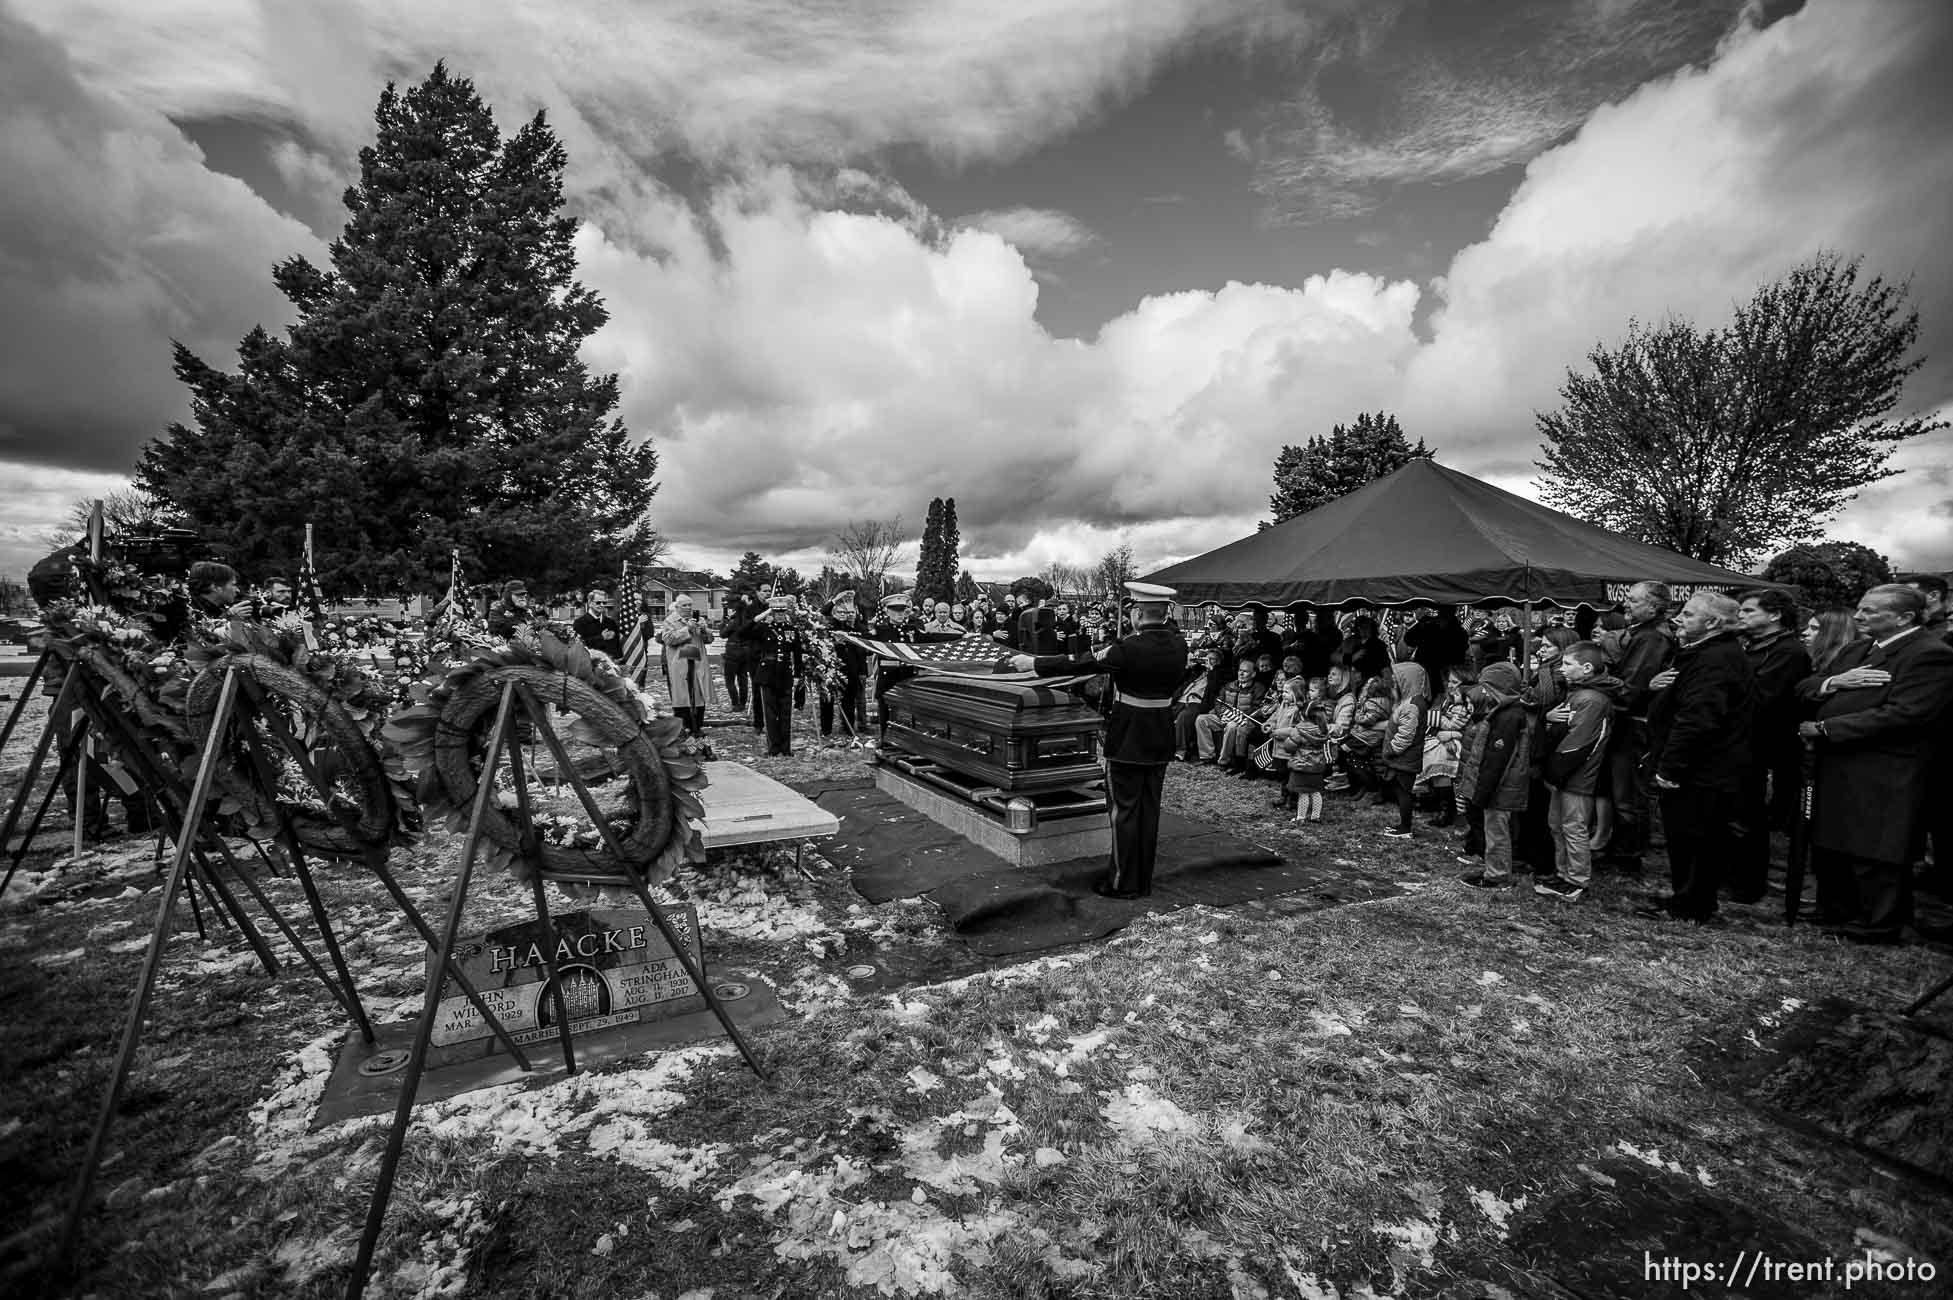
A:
{"points": [[95, 528]]}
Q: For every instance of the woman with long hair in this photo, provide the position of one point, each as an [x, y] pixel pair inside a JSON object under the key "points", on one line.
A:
{"points": [[1826, 632]]}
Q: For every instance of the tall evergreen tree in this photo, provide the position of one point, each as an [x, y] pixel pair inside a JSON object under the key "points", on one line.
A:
{"points": [[752, 572], [1323, 469], [949, 563], [430, 394], [929, 575]]}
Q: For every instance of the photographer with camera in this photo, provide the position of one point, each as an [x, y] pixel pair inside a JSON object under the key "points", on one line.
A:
{"points": [[684, 634]]}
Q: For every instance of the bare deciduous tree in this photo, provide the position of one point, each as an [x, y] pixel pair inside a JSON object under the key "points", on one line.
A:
{"points": [[866, 550]]}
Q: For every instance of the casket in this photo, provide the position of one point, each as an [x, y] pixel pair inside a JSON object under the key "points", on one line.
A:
{"points": [[1012, 736]]}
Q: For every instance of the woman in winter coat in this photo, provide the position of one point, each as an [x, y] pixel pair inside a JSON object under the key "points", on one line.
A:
{"points": [[1403, 750], [684, 635]]}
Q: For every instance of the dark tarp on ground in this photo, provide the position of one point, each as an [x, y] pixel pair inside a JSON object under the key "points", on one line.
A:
{"points": [[893, 851], [1431, 535]]}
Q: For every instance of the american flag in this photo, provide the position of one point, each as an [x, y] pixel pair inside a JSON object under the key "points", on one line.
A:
{"points": [[630, 614], [963, 656], [309, 595]]}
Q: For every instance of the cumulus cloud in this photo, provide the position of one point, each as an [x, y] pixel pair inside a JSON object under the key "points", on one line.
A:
{"points": [[1823, 131], [1036, 232], [885, 368]]}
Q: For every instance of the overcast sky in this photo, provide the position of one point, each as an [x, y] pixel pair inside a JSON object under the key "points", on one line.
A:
{"points": [[1083, 265]]}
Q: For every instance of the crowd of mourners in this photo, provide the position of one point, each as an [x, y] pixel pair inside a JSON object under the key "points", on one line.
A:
{"points": [[1714, 721], [1571, 745]]}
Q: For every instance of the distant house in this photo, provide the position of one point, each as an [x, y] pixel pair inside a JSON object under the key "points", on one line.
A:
{"points": [[662, 585]]}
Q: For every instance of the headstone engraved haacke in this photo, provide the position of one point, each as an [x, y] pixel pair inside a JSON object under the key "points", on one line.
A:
{"points": [[614, 966]]}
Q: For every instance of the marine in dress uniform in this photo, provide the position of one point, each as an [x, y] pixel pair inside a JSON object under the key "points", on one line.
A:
{"points": [[1145, 669], [895, 622], [779, 651]]}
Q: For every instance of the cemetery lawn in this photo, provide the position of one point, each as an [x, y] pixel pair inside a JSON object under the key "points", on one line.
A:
{"points": [[1426, 1091]]}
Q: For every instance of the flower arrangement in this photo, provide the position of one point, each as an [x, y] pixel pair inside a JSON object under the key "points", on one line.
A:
{"points": [[824, 657], [441, 743]]}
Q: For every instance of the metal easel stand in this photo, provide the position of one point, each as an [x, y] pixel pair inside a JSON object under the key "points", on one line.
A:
{"points": [[193, 839], [515, 699], [373, 858]]}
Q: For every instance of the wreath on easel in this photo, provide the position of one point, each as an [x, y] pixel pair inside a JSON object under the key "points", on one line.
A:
{"points": [[332, 704], [643, 773]]}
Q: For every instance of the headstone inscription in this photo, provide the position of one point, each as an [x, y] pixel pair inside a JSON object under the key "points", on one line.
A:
{"points": [[614, 965]]}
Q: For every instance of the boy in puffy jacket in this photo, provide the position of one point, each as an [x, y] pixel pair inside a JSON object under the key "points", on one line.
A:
{"points": [[1495, 772], [1574, 748]]}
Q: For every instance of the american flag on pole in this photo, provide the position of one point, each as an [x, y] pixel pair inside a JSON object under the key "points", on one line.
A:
{"points": [[308, 581], [630, 614]]}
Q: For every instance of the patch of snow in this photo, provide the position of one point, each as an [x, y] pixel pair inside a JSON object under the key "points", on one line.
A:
{"points": [[628, 1140], [923, 1081], [902, 1248], [1493, 1207], [1082, 1046], [1488, 978], [302, 1259], [1651, 1157], [1417, 1239], [62, 958], [1137, 1113], [1329, 1026], [1039, 1030]]}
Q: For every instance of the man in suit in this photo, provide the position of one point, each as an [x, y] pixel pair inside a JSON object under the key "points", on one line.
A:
{"points": [[1146, 669], [1882, 707], [597, 629]]}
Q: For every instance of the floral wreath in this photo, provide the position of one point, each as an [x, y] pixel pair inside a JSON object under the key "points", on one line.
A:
{"points": [[441, 741], [341, 703]]}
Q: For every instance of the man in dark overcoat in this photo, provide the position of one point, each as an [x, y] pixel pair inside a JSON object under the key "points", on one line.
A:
{"points": [[1699, 752], [1780, 663], [737, 658], [1882, 705], [1146, 669]]}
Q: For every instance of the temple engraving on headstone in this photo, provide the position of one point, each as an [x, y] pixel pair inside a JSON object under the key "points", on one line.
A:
{"points": [[614, 965]]}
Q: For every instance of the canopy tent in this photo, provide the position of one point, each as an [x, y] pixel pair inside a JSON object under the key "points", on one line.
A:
{"points": [[1427, 534]]}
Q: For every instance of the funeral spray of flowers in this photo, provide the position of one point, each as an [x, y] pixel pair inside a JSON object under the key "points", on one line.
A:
{"points": [[823, 655]]}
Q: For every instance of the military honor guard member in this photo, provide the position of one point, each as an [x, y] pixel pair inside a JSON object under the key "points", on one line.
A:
{"points": [[1145, 669], [779, 658], [895, 623]]}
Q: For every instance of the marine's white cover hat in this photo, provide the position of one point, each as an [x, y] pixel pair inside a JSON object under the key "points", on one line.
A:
{"points": [[1149, 593]]}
